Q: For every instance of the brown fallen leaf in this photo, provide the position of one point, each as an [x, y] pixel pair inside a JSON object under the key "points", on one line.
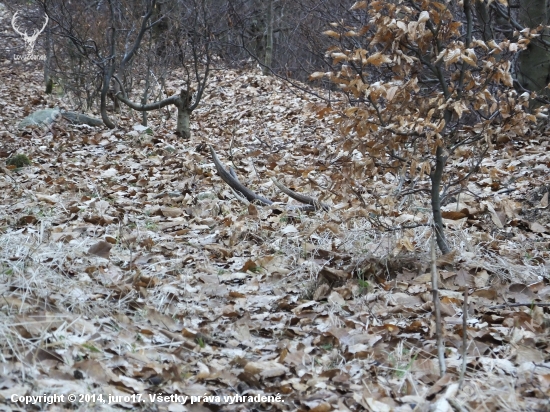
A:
{"points": [[321, 292], [46, 198], [171, 211], [111, 240], [453, 215], [334, 275], [537, 228], [323, 407], [447, 259], [250, 379], [464, 278], [6, 171], [494, 216], [267, 369], [27, 220], [252, 210], [101, 249], [249, 265]]}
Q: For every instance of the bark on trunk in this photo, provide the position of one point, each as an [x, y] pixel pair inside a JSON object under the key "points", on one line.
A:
{"points": [[184, 122], [48, 81], [108, 72], [181, 101], [103, 108], [436, 177], [144, 99], [534, 63], [484, 20], [266, 70]]}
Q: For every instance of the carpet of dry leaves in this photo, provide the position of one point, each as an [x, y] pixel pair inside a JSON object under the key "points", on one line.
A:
{"points": [[128, 267]]}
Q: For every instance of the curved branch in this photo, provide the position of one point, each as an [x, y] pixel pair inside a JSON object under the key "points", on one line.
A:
{"points": [[230, 177], [144, 27], [299, 197], [147, 107], [515, 24], [235, 184]]}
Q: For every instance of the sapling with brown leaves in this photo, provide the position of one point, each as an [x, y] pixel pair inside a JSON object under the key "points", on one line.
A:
{"points": [[422, 90]]}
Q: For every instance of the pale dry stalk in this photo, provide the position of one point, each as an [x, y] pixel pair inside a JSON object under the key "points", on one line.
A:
{"points": [[437, 309]]}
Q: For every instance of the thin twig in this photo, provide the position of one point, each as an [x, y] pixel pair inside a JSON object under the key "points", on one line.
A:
{"points": [[438, 328], [456, 406], [231, 148], [517, 305], [464, 337], [413, 191], [404, 227], [503, 191]]}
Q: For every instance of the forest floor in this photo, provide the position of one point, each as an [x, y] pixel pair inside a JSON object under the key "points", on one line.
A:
{"points": [[130, 271]]}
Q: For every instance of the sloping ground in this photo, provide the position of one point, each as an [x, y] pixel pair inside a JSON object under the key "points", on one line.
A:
{"points": [[127, 267]]}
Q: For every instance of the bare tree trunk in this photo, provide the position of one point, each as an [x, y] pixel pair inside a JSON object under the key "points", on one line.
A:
{"points": [[104, 91], [436, 177], [266, 69], [534, 63], [257, 30], [48, 81], [183, 126], [145, 97], [182, 101], [484, 19], [108, 71]]}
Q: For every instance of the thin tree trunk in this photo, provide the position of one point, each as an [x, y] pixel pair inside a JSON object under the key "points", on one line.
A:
{"points": [[108, 71], [48, 81], [484, 20], [436, 177], [534, 63], [144, 99], [181, 101], [104, 90], [266, 69], [184, 122]]}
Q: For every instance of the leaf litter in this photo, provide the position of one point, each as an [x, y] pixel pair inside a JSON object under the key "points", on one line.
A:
{"points": [[128, 267]]}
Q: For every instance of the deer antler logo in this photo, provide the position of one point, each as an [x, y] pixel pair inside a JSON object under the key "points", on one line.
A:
{"points": [[29, 40]]}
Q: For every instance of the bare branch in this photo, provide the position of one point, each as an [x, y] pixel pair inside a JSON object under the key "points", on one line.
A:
{"points": [[144, 27], [518, 305], [300, 198], [515, 24], [151, 106], [235, 184], [230, 177]]}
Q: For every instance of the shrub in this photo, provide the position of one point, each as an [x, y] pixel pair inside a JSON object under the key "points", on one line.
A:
{"points": [[422, 90], [18, 161]]}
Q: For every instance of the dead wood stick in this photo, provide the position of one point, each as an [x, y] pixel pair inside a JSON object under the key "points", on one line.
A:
{"points": [[517, 305], [437, 309], [464, 337], [230, 177]]}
